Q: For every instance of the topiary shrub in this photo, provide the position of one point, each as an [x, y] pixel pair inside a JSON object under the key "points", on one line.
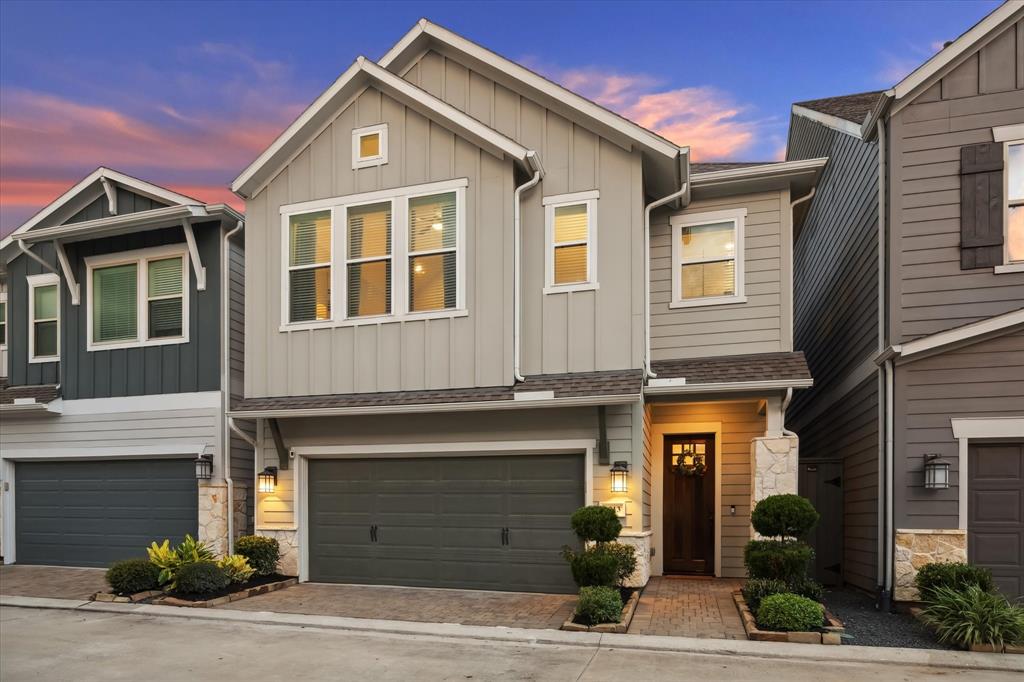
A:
{"points": [[262, 552], [786, 561], [133, 575], [596, 524], [625, 560], [789, 613], [593, 567], [784, 516], [598, 605], [972, 615], [956, 576], [757, 589], [202, 578]]}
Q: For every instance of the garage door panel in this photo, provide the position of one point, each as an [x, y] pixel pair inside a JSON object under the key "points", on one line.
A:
{"points": [[996, 513]]}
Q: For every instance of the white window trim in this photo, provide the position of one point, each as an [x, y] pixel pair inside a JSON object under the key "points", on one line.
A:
{"points": [[286, 269], [1008, 266], [589, 198], [3, 321], [967, 429], [738, 217], [34, 282], [368, 161], [399, 198], [141, 257]]}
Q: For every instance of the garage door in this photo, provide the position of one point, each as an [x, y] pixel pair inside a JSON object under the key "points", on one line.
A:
{"points": [[95, 513], [995, 515], [491, 523]]}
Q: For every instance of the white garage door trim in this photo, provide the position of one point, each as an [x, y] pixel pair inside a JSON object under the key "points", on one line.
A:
{"points": [[460, 449], [965, 430]]}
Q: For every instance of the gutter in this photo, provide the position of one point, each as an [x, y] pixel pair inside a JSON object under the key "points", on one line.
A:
{"points": [[682, 191], [225, 378], [90, 229], [730, 386], [517, 294]]}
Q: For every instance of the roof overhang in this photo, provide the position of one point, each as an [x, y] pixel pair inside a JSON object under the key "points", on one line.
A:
{"points": [[130, 222], [362, 74], [799, 176], [728, 387], [940, 342], [661, 156], [28, 407], [833, 122]]}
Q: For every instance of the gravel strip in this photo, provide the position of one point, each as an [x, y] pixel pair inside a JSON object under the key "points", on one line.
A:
{"points": [[870, 627]]}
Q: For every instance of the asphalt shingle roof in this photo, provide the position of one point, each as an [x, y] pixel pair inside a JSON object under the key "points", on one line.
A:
{"points": [[41, 394], [735, 368], [853, 108], [726, 165]]}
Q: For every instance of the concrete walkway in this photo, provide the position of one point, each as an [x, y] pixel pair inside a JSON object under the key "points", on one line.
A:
{"points": [[56, 582], [688, 607]]}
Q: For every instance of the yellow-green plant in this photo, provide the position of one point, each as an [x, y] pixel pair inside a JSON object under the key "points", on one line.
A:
{"points": [[237, 567], [170, 561]]}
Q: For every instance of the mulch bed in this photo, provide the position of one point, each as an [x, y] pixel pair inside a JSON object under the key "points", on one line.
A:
{"points": [[831, 632], [630, 599], [867, 626], [235, 592]]}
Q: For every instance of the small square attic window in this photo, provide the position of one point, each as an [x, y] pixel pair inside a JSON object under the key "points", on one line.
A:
{"points": [[370, 146]]}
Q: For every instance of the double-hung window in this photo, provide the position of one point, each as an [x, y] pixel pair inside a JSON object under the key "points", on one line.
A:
{"points": [[570, 227], [3, 321], [707, 258], [309, 266], [433, 235], [368, 260], [44, 318], [138, 298], [1015, 203]]}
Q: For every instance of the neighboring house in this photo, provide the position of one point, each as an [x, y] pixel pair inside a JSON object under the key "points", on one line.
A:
{"points": [[460, 327], [118, 295], [912, 314]]}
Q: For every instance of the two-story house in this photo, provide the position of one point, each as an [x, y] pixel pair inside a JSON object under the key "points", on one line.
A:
{"points": [[119, 299], [910, 308], [476, 301]]}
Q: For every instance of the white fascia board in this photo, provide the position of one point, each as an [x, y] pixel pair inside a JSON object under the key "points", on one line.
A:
{"points": [[833, 122], [33, 408], [1008, 133], [548, 89], [478, 406], [772, 170], [94, 228], [988, 427], [166, 402], [990, 326], [729, 387]]}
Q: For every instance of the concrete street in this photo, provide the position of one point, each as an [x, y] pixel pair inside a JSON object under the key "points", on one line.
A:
{"points": [[44, 644]]}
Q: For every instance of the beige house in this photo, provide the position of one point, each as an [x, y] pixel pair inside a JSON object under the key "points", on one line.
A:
{"points": [[476, 301]]}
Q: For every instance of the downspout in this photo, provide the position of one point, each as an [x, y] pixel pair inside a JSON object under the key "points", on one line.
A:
{"points": [[648, 374], [886, 539], [785, 404], [225, 380], [28, 252], [886, 596], [792, 312], [538, 172]]}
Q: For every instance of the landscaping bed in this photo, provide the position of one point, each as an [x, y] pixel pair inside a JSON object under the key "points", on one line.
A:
{"points": [[831, 631], [868, 626], [236, 591], [630, 599]]}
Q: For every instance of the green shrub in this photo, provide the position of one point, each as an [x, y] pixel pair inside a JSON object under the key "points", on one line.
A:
{"points": [[236, 567], [757, 589], [202, 578], [593, 567], [784, 516], [625, 560], [170, 560], [596, 524], [133, 575], [785, 561], [598, 605], [262, 552], [790, 613], [806, 587], [956, 576], [972, 615]]}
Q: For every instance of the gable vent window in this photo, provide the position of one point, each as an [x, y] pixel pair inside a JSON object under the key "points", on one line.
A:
{"points": [[570, 224], [369, 260], [707, 258], [1015, 202], [433, 279], [309, 267], [44, 317], [370, 146]]}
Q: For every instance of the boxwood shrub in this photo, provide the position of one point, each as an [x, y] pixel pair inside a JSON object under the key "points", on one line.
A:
{"points": [[757, 589], [262, 552], [598, 605], [202, 578], [784, 516], [790, 613], [956, 576], [593, 567], [596, 524], [133, 575], [787, 561]]}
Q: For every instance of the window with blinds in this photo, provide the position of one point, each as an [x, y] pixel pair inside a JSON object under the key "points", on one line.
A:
{"points": [[45, 308], [309, 267], [707, 258], [165, 297], [3, 323], [433, 275], [570, 227], [368, 265], [115, 303]]}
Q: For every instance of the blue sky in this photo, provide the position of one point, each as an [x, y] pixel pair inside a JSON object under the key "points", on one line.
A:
{"points": [[185, 94]]}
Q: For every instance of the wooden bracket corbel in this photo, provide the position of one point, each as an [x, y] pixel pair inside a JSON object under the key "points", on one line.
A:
{"points": [[282, 452]]}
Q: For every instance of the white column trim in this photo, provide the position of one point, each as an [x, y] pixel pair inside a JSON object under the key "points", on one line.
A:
{"points": [[964, 430]]}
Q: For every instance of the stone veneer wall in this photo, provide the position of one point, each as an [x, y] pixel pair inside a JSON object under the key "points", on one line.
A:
{"points": [[289, 542], [775, 465], [213, 509], [642, 542], [917, 547]]}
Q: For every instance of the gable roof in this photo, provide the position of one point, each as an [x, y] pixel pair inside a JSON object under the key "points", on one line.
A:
{"points": [[853, 108], [346, 88], [715, 166]]}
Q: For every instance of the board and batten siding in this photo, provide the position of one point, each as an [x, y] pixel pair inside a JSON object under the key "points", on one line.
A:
{"points": [[474, 350], [23, 372], [3, 346], [562, 332], [981, 380], [760, 325], [930, 293]]}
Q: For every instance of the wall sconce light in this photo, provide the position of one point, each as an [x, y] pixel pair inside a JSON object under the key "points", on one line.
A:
{"points": [[936, 472], [267, 480], [620, 474], [204, 467]]}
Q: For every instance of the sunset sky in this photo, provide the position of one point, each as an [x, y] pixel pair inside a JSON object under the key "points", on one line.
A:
{"points": [[187, 94]]}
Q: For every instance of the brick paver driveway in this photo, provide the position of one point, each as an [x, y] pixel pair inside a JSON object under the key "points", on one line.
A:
{"points": [[57, 582], [467, 607], [686, 607]]}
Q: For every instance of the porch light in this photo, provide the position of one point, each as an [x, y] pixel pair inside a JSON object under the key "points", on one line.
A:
{"points": [[936, 472], [619, 473], [204, 467], [267, 480]]}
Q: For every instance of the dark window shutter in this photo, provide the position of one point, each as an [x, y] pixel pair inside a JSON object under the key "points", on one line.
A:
{"points": [[981, 205]]}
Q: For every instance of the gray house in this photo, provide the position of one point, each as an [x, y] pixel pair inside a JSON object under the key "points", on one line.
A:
{"points": [[910, 308], [477, 301], [118, 300]]}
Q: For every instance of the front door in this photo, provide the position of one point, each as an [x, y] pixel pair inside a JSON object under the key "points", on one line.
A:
{"points": [[689, 513]]}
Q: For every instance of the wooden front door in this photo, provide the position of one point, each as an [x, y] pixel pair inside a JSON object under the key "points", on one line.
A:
{"points": [[689, 500]]}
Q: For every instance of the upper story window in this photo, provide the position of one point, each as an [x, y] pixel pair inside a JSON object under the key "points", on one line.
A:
{"points": [[399, 256], [1015, 202], [370, 146], [570, 227], [3, 320], [44, 318], [137, 298], [707, 258]]}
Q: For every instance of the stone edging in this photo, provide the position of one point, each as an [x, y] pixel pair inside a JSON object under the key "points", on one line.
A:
{"points": [[234, 596], [131, 598], [620, 628], [832, 635]]}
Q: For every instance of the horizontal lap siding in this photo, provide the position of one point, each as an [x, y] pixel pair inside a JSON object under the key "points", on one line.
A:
{"points": [[757, 326], [983, 380], [931, 293], [242, 454]]}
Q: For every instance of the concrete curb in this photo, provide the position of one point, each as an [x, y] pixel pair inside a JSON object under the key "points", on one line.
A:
{"points": [[961, 660]]}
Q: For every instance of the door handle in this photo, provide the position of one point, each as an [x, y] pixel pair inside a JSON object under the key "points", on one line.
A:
{"points": [[506, 536], [373, 533]]}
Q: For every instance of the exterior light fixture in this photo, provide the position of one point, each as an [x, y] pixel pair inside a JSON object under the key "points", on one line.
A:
{"points": [[936, 473], [267, 480], [620, 473], [204, 468]]}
